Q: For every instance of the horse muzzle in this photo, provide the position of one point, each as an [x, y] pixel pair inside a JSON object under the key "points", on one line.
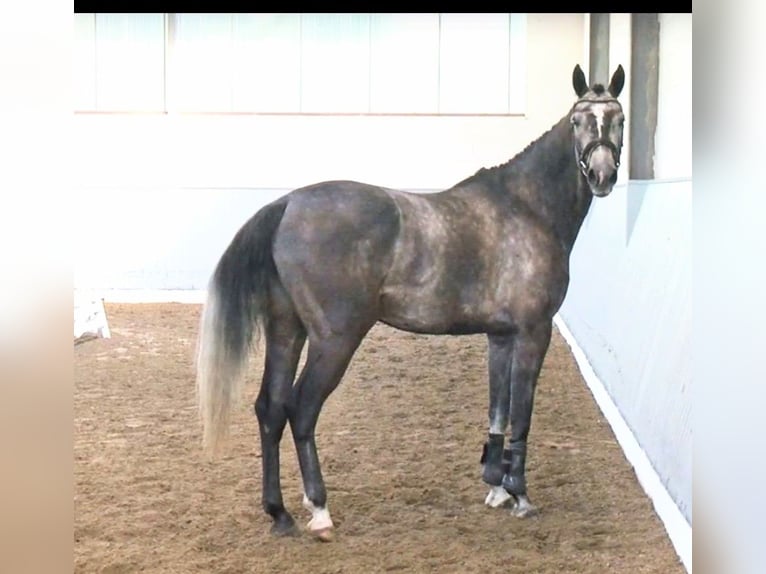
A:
{"points": [[600, 169]]}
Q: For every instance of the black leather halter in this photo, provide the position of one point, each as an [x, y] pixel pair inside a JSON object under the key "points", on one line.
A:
{"points": [[587, 151]]}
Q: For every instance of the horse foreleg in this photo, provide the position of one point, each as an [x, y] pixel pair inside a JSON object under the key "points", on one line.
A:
{"points": [[326, 363], [500, 355], [284, 341], [529, 350]]}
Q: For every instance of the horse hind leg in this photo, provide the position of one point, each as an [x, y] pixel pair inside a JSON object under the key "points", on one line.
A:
{"points": [[285, 337], [326, 363]]}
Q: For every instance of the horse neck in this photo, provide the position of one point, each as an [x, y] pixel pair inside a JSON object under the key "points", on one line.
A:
{"points": [[546, 178]]}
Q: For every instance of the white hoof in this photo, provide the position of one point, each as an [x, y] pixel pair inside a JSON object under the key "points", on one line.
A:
{"points": [[320, 524], [497, 497]]}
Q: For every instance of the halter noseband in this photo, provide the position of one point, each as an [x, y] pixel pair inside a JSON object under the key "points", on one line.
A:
{"points": [[587, 151]]}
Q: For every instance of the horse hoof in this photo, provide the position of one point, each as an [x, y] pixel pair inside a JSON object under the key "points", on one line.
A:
{"points": [[524, 512], [523, 508], [324, 534], [497, 497], [285, 526], [320, 525]]}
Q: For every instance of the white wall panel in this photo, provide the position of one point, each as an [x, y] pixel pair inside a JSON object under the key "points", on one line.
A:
{"points": [[629, 307], [673, 139]]}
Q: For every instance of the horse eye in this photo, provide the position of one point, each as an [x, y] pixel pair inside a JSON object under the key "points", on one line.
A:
{"points": [[575, 121]]}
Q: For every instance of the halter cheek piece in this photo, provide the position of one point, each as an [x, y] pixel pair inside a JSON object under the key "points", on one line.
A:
{"points": [[588, 149]]}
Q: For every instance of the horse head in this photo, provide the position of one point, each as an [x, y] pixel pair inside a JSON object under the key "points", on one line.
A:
{"points": [[597, 124]]}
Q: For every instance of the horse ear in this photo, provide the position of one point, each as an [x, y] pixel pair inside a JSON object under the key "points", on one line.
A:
{"points": [[618, 81], [579, 82]]}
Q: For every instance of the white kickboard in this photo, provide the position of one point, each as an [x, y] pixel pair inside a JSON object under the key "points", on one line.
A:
{"points": [[90, 318]]}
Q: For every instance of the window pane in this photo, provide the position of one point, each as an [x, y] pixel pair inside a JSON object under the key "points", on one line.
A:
{"points": [[474, 66], [200, 74], [84, 52], [335, 70], [518, 81], [130, 62], [266, 62], [404, 63]]}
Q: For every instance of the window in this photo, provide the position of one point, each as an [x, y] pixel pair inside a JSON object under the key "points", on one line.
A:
{"points": [[200, 62], [404, 63], [302, 63], [119, 62], [266, 47]]}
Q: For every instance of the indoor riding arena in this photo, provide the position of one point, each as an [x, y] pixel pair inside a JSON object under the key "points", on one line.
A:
{"points": [[401, 465], [455, 173]]}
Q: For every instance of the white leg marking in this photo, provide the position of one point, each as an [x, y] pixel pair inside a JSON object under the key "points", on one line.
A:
{"points": [[320, 516], [497, 497]]}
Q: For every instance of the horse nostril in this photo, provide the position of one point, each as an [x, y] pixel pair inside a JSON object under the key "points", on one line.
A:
{"points": [[613, 178], [591, 176]]}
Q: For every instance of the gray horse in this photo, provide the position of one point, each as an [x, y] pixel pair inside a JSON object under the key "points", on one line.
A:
{"points": [[326, 262]]}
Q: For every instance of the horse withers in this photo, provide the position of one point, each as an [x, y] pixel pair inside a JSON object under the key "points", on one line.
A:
{"points": [[326, 262]]}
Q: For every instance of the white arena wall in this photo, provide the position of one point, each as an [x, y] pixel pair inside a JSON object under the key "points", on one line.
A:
{"points": [[628, 312]]}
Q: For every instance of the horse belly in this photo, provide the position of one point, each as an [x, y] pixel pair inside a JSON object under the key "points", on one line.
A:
{"points": [[434, 311]]}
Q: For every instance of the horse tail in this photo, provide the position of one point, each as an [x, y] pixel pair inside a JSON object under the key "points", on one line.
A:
{"points": [[232, 318]]}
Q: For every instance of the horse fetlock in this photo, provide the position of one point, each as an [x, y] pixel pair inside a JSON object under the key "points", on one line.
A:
{"points": [[506, 463], [515, 484], [284, 525], [492, 454], [275, 509], [515, 458], [492, 475], [523, 508]]}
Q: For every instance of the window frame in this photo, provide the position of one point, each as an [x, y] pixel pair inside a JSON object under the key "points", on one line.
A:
{"points": [[515, 95]]}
